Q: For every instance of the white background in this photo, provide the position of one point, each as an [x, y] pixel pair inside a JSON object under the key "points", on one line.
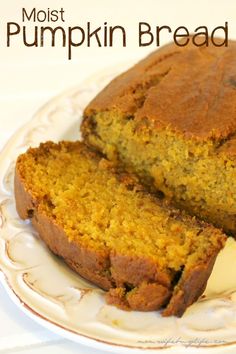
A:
{"points": [[31, 76]]}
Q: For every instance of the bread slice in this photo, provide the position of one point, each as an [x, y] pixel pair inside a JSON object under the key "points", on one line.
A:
{"points": [[111, 231], [172, 120]]}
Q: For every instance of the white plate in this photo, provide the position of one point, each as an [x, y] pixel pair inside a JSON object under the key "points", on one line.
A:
{"points": [[49, 292]]}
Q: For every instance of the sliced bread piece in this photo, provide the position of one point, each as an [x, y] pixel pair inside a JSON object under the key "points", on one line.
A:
{"points": [[111, 231]]}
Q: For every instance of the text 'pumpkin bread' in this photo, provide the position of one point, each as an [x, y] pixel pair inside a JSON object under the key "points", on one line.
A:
{"points": [[111, 231], [172, 120]]}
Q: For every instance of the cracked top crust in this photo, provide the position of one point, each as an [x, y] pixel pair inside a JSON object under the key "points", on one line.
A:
{"points": [[190, 90]]}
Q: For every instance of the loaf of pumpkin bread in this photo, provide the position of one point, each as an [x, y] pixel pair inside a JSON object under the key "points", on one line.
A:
{"points": [[111, 231], [171, 119]]}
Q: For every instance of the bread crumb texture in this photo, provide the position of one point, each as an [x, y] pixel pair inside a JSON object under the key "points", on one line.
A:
{"points": [[115, 233], [86, 198]]}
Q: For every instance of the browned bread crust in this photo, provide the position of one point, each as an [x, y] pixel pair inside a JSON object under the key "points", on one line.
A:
{"points": [[110, 270], [190, 89]]}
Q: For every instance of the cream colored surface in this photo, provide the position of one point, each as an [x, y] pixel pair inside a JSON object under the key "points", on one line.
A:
{"points": [[30, 77]]}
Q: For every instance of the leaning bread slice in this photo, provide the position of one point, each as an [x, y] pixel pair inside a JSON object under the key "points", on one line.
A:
{"points": [[111, 231]]}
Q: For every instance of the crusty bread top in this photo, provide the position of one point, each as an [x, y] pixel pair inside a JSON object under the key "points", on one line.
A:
{"points": [[191, 90]]}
